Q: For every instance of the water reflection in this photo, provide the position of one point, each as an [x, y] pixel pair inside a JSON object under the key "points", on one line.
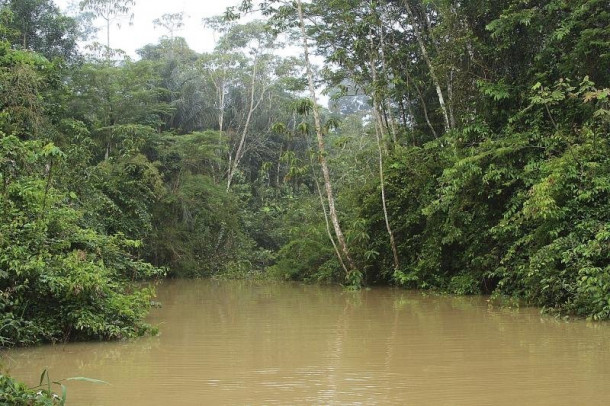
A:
{"points": [[251, 343]]}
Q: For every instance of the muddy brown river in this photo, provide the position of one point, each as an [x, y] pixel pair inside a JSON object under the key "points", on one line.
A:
{"points": [[246, 343]]}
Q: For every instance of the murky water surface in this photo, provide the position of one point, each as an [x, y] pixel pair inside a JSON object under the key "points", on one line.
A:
{"points": [[237, 343]]}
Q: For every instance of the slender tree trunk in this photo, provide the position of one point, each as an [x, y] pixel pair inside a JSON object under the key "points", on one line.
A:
{"points": [[25, 36], [403, 112], [242, 142], [378, 135], [220, 86], [425, 109], [388, 102], [221, 104], [328, 230], [380, 113], [450, 97], [423, 103], [435, 81], [220, 89], [383, 195], [435, 43], [321, 148]]}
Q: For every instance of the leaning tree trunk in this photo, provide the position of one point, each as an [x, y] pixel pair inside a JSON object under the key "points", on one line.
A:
{"points": [[328, 229], [234, 163], [322, 150], [424, 51]]}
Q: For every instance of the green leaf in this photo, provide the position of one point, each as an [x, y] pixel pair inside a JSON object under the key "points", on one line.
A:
{"points": [[42, 377], [64, 394], [85, 379]]}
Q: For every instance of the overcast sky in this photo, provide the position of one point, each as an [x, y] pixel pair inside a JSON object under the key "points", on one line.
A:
{"points": [[142, 32]]}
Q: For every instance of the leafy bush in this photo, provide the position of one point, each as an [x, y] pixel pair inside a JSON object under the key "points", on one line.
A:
{"points": [[523, 213], [58, 279], [18, 394]]}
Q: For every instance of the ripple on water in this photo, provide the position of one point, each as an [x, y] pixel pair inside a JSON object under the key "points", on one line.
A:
{"points": [[248, 343]]}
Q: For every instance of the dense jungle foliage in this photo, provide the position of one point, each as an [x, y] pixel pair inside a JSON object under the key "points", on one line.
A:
{"points": [[465, 148]]}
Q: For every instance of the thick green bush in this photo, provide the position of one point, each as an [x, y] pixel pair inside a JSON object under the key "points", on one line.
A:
{"points": [[15, 393]]}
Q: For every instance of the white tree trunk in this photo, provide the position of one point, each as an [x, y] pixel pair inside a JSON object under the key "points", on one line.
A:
{"points": [[422, 47], [378, 135], [321, 149], [242, 141]]}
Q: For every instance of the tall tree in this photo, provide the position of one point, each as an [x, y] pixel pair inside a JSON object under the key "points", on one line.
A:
{"points": [[38, 25], [375, 91], [257, 42], [416, 26], [290, 15], [171, 22], [322, 149], [111, 11]]}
